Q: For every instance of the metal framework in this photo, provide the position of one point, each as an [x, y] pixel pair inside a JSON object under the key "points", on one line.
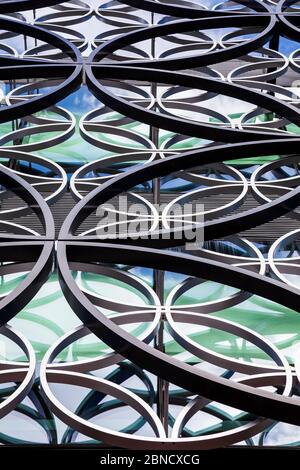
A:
{"points": [[141, 82]]}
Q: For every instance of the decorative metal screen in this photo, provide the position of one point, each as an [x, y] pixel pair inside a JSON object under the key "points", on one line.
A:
{"points": [[149, 224]]}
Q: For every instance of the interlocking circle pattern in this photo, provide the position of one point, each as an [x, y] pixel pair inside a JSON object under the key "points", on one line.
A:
{"points": [[139, 339]]}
